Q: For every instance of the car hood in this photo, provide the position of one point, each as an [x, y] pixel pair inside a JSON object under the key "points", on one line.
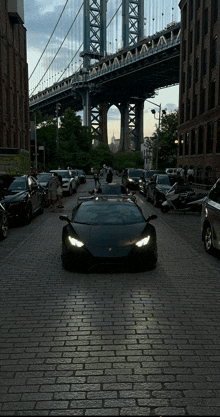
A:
{"points": [[109, 241], [15, 196]]}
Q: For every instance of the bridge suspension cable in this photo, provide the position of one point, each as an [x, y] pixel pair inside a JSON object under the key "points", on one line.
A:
{"points": [[64, 7]]}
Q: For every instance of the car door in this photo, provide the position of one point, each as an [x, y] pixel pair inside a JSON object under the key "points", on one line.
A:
{"points": [[34, 193], [213, 212]]}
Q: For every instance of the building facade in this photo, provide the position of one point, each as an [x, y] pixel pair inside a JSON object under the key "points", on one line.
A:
{"points": [[14, 100], [199, 98]]}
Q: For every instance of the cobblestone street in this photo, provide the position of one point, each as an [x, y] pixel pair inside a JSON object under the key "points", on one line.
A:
{"points": [[107, 344]]}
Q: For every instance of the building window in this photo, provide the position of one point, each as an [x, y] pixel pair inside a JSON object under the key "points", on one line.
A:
{"points": [[6, 101], [206, 21], [197, 70], [204, 63], [214, 53], [185, 16], [182, 115], [202, 100], [200, 173], [212, 98], [197, 32], [187, 143], [188, 109], [190, 77], [190, 41], [201, 140], [191, 6], [193, 142], [215, 10], [184, 83], [209, 138], [195, 105], [184, 49], [218, 138]]}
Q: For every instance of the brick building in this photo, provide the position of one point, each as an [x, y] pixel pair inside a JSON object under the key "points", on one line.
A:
{"points": [[199, 98], [14, 101]]}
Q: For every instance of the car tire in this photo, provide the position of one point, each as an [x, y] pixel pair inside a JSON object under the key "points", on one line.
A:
{"points": [[155, 202], [165, 209], [41, 209], [28, 215], [208, 240], [147, 196], [70, 190], [4, 227]]}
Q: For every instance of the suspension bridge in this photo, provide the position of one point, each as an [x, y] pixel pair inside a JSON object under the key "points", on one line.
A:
{"points": [[110, 52]]}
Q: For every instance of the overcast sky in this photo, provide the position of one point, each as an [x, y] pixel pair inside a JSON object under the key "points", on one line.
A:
{"points": [[40, 19]]}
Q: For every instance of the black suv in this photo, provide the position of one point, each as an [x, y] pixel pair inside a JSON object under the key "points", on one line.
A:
{"points": [[23, 198], [130, 178]]}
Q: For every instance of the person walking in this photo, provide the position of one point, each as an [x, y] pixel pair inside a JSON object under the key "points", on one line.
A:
{"points": [[109, 176], [52, 190], [190, 174], [60, 192], [96, 178]]}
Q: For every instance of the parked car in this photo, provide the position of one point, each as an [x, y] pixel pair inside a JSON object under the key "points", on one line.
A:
{"points": [[43, 179], [111, 189], [69, 180], [171, 171], [145, 178], [108, 230], [157, 187], [82, 176], [210, 219], [23, 199], [3, 223], [130, 178]]}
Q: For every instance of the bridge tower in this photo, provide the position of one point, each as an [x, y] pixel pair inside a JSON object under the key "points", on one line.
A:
{"points": [[95, 115]]}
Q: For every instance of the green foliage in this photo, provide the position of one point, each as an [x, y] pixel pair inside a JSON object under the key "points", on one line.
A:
{"points": [[128, 160], [101, 155], [167, 151]]}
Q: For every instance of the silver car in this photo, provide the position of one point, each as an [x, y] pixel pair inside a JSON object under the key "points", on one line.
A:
{"points": [[69, 182], [210, 219]]}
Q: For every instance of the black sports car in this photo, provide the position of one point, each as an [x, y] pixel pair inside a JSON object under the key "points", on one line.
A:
{"points": [[108, 230], [3, 223], [23, 199]]}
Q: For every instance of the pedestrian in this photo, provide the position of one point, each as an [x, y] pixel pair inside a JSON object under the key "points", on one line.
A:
{"points": [[52, 190], [96, 178], [180, 171], [92, 170], [190, 174], [109, 175], [60, 192]]}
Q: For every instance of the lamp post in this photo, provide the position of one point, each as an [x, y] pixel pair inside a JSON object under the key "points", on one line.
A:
{"points": [[159, 119], [58, 105]]}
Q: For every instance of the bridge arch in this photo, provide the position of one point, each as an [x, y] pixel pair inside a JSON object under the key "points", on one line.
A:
{"points": [[113, 127]]}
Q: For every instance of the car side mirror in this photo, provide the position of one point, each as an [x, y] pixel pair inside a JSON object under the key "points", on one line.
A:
{"points": [[152, 217], [64, 217]]}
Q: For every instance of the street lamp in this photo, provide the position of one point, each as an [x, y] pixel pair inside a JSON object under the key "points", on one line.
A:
{"points": [[58, 105], [159, 119]]}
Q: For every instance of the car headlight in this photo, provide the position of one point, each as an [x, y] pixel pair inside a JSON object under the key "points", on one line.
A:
{"points": [[75, 242], [130, 179], [143, 242]]}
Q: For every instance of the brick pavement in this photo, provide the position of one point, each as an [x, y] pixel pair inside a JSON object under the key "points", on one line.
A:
{"points": [[108, 344]]}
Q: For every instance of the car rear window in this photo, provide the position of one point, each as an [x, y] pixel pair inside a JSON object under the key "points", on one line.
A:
{"points": [[134, 173], [18, 184], [104, 214]]}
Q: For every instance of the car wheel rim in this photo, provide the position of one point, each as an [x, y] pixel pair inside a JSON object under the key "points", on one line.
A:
{"points": [[4, 227], [208, 238]]}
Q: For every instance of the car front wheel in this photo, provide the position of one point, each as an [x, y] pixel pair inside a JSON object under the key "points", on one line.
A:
{"points": [[155, 202], [208, 241], [4, 227], [28, 214]]}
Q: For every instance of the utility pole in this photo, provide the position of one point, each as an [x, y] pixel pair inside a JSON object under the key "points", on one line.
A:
{"points": [[58, 105]]}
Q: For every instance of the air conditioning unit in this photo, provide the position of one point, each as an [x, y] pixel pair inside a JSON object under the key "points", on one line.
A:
{"points": [[16, 10]]}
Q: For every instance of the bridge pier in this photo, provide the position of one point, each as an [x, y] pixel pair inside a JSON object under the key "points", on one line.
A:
{"points": [[132, 125]]}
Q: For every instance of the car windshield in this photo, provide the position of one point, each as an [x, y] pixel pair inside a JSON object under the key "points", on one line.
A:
{"points": [[163, 180], [44, 177], [80, 172], [64, 174], [18, 184], [113, 190], [135, 173], [108, 214]]}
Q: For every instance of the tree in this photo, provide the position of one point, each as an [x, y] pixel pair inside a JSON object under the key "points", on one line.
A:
{"points": [[167, 151]]}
